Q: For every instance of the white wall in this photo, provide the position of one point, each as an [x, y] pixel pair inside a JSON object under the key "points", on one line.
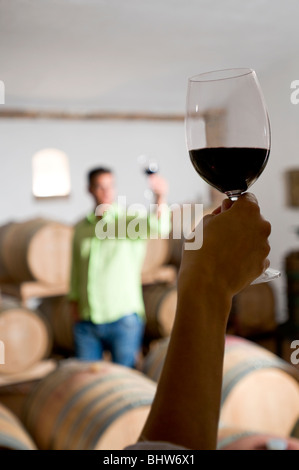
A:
{"points": [[88, 144]]}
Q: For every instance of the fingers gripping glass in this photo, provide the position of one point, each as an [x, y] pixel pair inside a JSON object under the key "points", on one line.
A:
{"points": [[228, 132]]}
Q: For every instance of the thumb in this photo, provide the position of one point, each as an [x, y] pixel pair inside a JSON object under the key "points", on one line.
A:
{"points": [[226, 204]]}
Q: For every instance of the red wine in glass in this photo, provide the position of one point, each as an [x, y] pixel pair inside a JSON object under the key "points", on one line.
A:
{"points": [[229, 167]]}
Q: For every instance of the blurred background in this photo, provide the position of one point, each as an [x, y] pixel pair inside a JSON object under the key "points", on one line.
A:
{"points": [[105, 82], [85, 83]]}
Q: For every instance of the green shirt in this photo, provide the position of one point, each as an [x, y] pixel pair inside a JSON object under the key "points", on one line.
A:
{"points": [[106, 273]]}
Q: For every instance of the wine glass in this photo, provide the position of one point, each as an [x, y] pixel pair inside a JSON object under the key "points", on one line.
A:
{"points": [[228, 132], [148, 167]]}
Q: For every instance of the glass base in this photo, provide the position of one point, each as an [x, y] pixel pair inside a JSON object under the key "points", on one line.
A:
{"points": [[268, 275], [233, 195]]}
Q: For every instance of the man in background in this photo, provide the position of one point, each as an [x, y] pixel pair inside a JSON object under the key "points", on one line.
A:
{"points": [[106, 292]]}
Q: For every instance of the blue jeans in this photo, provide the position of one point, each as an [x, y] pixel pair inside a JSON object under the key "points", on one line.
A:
{"points": [[123, 338]]}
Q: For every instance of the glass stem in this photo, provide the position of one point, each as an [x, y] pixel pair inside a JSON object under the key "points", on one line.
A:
{"points": [[233, 195]]}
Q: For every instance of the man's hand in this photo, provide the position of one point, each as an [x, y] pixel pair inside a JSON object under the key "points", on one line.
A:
{"points": [[159, 187]]}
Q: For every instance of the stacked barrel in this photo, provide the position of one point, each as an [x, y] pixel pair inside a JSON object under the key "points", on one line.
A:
{"points": [[32, 252], [260, 395], [13, 435], [48, 400], [292, 275], [89, 406], [36, 251]]}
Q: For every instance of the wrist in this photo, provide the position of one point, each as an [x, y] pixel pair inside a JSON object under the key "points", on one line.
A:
{"points": [[160, 199], [204, 291]]}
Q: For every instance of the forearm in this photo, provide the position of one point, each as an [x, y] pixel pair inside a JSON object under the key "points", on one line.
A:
{"points": [[187, 403], [234, 252], [160, 199], [161, 205]]}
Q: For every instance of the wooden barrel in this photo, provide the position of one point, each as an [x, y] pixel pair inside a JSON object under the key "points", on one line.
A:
{"points": [[260, 391], [163, 274], [38, 249], [292, 274], [253, 310], [85, 406], [157, 253], [15, 388], [154, 360], [292, 187], [234, 438], [295, 430], [160, 302], [13, 436], [175, 250], [57, 312], [4, 273], [25, 337]]}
